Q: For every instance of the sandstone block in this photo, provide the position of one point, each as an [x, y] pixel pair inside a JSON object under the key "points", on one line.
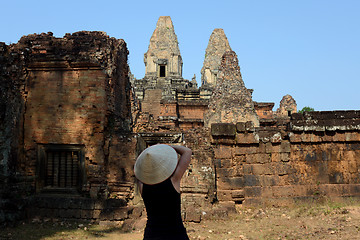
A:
{"points": [[262, 169], [86, 214], [269, 147], [217, 213], [253, 201], [240, 127], [237, 194], [247, 138], [266, 192], [252, 191], [223, 130], [331, 189], [285, 147], [107, 214], [140, 224], [248, 169], [237, 182], [249, 126], [251, 180], [96, 213], [229, 183], [339, 137], [354, 189], [283, 168], [268, 180], [120, 213], [258, 158], [276, 138], [328, 137], [223, 163], [71, 213], [245, 149], [222, 152], [295, 137], [238, 160], [285, 157], [300, 190], [224, 195], [353, 167], [352, 136], [283, 191], [224, 172]]}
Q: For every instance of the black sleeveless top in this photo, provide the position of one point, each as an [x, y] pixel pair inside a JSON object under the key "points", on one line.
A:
{"points": [[163, 208]]}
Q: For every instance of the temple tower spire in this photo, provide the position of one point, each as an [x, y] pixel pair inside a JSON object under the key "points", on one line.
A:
{"points": [[217, 46], [231, 101], [163, 57]]}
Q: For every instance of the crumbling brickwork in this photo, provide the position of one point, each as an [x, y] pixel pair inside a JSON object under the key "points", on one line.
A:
{"points": [[217, 46], [230, 101], [65, 93], [198, 184], [12, 184], [317, 156], [287, 107]]}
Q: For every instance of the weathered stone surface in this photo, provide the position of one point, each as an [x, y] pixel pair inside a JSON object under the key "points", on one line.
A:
{"points": [[327, 120], [217, 46], [163, 50], [264, 110], [192, 215], [231, 101], [71, 91], [287, 107], [223, 129]]}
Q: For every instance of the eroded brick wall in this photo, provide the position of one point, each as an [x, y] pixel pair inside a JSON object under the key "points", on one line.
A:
{"points": [[198, 185], [307, 161], [64, 91], [13, 186]]}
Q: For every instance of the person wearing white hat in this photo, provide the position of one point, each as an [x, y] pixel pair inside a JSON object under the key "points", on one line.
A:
{"points": [[159, 171]]}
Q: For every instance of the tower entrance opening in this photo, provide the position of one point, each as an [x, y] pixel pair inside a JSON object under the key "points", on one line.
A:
{"points": [[162, 71]]}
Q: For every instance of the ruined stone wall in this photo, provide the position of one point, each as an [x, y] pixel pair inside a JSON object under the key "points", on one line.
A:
{"points": [[70, 91], [318, 156], [13, 186], [151, 102], [72, 87], [198, 185]]}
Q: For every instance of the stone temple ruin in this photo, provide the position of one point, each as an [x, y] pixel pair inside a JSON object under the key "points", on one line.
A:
{"points": [[73, 122]]}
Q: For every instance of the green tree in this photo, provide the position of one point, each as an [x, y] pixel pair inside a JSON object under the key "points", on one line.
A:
{"points": [[306, 109]]}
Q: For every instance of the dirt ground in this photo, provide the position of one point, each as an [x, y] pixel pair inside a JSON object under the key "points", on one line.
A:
{"points": [[325, 221]]}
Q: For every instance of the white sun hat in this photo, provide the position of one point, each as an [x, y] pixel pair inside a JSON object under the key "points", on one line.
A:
{"points": [[156, 164]]}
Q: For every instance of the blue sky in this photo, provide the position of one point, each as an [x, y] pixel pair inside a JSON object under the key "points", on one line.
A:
{"points": [[309, 49]]}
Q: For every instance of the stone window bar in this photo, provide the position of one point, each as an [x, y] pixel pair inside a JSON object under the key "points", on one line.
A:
{"points": [[60, 168]]}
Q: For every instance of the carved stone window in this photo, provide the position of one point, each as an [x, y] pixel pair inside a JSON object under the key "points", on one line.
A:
{"points": [[60, 168]]}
